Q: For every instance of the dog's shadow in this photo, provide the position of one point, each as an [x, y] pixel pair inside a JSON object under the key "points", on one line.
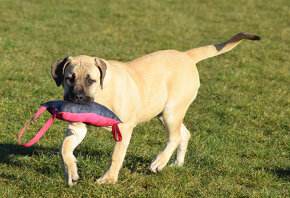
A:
{"points": [[10, 153], [283, 174]]}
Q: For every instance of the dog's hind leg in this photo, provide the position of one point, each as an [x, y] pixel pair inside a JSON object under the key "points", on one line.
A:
{"points": [[172, 118], [182, 147], [74, 135]]}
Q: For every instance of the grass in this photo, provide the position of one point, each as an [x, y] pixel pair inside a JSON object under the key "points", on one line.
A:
{"points": [[239, 121]]}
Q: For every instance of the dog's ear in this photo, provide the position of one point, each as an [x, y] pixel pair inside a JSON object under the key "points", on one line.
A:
{"points": [[102, 67], [57, 70]]}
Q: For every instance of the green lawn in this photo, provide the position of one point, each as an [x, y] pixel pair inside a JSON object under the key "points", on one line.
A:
{"points": [[239, 121]]}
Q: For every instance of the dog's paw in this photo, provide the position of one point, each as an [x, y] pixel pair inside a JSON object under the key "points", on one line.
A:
{"points": [[177, 163], [157, 164], [72, 180], [72, 183], [71, 176], [105, 179]]}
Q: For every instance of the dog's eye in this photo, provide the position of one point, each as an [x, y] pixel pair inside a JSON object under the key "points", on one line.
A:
{"points": [[90, 81], [71, 78]]}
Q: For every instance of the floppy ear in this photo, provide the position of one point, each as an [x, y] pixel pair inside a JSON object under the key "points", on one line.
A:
{"points": [[57, 70], [102, 67]]}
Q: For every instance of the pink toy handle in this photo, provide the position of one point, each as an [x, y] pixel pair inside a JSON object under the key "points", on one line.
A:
{"points": [[116, 131], [42, 130]]}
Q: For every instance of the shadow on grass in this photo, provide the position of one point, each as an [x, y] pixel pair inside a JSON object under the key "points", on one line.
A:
{"points": [[132, 162], [9, 153], [9, 150], [280, 173], [137, 164], [283, 174]]}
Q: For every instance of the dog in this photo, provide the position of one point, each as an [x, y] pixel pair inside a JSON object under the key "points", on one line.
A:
{"points": [[162, 84]]}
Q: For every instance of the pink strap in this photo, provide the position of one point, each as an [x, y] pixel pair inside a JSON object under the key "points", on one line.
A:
{"points": [[116, 130], [42, 130]]}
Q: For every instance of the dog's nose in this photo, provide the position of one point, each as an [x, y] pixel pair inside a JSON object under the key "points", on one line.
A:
{"points": [[80, 97]]}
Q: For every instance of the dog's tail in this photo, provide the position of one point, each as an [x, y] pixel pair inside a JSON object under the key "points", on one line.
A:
{"points": [[201, 53]]}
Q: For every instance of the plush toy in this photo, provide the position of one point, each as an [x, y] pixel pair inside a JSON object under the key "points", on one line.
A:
{"points": [[91, 114]]}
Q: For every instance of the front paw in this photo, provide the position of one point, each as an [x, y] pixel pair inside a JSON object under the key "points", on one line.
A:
{"points": [[72, 180], [107, 179], [71, 175]]}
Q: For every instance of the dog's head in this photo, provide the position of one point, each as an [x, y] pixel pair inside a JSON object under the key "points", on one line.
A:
{"points": [[80, 77]]}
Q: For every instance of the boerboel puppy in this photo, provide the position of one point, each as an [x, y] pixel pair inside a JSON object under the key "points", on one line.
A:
{"points": [[162, 84]]}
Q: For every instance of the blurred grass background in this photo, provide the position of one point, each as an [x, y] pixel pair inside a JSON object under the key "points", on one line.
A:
{"points": [[239, 121]]}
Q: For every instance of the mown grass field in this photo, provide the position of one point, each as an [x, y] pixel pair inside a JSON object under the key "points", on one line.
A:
{"points": [[239, 121]]}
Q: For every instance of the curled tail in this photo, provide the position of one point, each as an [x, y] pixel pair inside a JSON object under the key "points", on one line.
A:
{"points": [[201, 53]]}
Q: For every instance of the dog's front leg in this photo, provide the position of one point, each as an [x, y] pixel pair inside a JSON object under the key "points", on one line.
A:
{"points": [[118, 155], [75, 133]]}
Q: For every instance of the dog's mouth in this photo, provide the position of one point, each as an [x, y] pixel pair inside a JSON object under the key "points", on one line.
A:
{"points": [[79, 99]]}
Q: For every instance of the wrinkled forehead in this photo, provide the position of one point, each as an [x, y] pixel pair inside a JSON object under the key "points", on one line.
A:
{"points": [[82, 60], [82, 65]]}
